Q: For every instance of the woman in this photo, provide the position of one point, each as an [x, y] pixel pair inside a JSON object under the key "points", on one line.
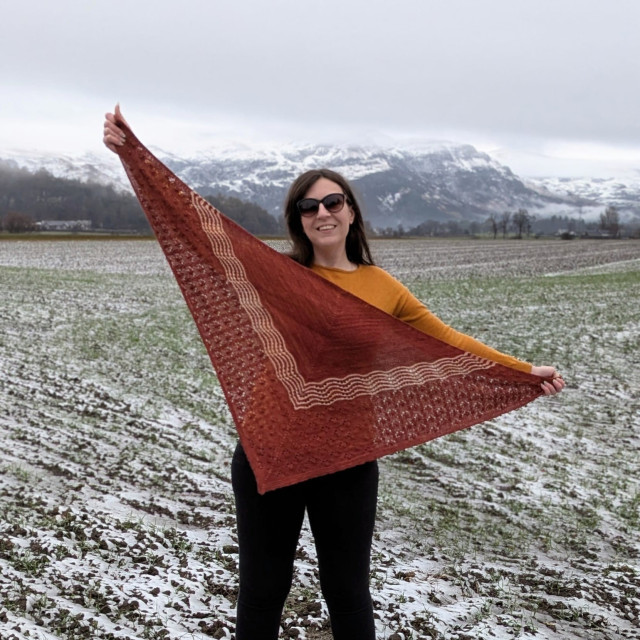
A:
{"points": [[326, 227]]}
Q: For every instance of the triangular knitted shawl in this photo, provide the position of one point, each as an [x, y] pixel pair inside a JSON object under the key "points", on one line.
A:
{"points": [[316, 379]]}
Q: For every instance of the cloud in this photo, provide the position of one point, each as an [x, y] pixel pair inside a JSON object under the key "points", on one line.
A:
{"points": [[510, 71]]}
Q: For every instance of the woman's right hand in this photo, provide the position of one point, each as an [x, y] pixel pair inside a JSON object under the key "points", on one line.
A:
{"points": [[113, 135]]}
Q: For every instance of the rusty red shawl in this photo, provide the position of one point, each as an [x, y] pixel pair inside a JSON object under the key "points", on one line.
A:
{"points": [[278, 334]]}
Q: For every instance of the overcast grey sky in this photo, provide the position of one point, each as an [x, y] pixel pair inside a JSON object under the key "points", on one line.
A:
{"points": [[535, 82]]}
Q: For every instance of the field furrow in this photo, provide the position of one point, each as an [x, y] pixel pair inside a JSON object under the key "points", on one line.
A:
{"points": [[116, 511]]}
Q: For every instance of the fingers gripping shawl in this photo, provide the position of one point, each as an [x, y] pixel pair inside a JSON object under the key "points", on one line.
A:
{"points": [[316, 379]]}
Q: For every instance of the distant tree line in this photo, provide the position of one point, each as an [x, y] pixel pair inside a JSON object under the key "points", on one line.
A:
{"points": [[609, 225], [520, 222], [27, 198], [517, 224]]}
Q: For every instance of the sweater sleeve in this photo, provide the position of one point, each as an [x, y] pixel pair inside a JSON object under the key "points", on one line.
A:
{"points": [[415, 313]]}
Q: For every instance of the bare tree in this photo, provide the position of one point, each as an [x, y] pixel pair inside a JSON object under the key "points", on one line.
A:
{"points": [[15, 222], [531, 218], [504, 223], [610, 221], [520, 219], [492, 223]]}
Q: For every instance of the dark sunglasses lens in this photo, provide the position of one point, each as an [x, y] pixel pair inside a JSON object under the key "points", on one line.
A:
{"points": [[334, 202], [308, 206]]}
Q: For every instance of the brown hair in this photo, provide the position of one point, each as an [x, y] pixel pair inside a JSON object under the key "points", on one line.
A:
{"points": [[356, 243]]}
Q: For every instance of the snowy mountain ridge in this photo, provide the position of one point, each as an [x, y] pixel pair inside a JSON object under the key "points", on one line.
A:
{"points": [[399, 186]]}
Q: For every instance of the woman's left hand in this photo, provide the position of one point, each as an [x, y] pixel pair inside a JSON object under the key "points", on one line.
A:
{"points": [[550, 387], [113, 135]]}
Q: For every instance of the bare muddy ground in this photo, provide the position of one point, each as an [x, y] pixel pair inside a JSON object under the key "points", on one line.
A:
{"points": [[116, 513]]}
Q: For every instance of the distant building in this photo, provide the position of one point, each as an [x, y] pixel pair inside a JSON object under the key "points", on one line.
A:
{"points": [[63, 225], [597, 234]]}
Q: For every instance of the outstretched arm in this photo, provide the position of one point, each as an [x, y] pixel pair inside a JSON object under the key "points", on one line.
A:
{"points": [[414, 312]]}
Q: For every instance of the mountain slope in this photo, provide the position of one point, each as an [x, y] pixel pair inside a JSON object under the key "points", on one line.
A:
{"points": [[438, 181]]}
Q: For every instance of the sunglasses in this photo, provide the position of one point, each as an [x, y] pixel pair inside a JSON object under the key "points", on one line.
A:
{"points": [[333, 203]]}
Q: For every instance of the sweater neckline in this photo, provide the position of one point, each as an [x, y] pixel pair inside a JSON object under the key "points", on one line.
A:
{"points": [[336, 269]]}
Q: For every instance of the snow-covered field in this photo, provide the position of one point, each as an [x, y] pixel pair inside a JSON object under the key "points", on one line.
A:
{"points": [[116, 512]]}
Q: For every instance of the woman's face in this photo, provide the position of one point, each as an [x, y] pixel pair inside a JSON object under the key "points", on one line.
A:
{"points": [[327, 231]]}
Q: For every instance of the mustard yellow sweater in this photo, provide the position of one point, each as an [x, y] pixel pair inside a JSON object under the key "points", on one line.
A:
{"points": [[378, 288]]}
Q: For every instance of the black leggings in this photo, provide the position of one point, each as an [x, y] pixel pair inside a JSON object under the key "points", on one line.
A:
{"points": [[341, 508]]}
